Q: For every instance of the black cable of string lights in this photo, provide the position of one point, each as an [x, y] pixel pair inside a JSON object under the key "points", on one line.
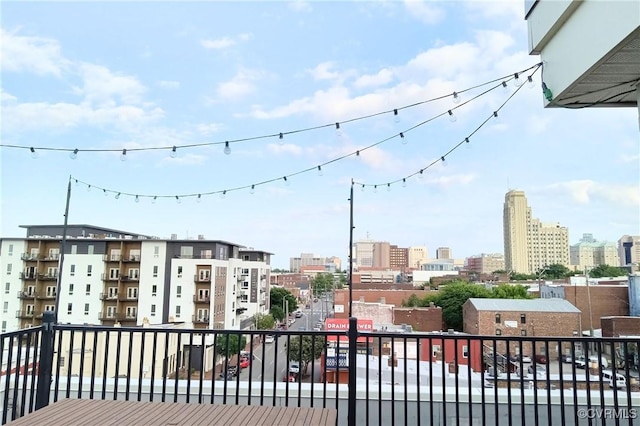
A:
{"points": [[280, 135], [443, 157], [286, 178]]}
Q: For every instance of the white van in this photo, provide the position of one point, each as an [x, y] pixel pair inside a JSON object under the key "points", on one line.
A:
{"points": [[620, 381]]}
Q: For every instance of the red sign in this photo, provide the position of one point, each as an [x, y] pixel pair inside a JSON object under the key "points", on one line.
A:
{"points": [[340, 324]]}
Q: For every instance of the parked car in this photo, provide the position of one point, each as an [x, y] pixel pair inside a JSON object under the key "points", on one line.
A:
{"points": [[581, 362], [566, 358], [525, 358], [294, 367], [244, 362], [298, 314], [540, 370], [269, 338], [541, 359], [620, 381]]}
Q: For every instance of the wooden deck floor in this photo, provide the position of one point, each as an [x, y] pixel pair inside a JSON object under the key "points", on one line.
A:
{"points": [[71, 412]]}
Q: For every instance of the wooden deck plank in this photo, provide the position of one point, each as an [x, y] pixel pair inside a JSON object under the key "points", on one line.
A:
{"points": [[72, 412]]}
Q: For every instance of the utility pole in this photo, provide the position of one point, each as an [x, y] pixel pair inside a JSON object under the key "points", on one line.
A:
{"points": [[586, 275], [351, 250], [63, 244]]}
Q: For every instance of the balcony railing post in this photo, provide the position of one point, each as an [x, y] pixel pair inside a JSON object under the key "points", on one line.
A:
{"points": [[45, 361], [353, 339]]}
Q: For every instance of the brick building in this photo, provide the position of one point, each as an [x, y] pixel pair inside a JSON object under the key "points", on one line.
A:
{"points": [[393, 297], [420, 319], [522, 317], [379, 313], [618, 326]]}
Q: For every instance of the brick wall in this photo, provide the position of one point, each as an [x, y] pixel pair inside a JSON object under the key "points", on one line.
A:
{"points": [[620, 326], [392, 297], [605, 302], [420, 319], [377, 312]]}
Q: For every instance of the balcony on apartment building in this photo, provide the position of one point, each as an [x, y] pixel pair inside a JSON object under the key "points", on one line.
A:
{"points": [[128, 297], [111, 257], [201, 299], [25, 314], [129, 278], [29, 257], [202, 278], [26, 295], [108, 296], [200, 319], [367, 377], [28, 275], [51, 257], [46, 295], [131, 258]]}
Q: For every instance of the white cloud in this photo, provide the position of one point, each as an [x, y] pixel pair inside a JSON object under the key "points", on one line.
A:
{"points": [[449, 180], [286, 148], [101, 86], [382, 77], [242, 84], [300, 6], [224, 42], [325, 71], [586, 190], [185, 160], [38, 55], [426, 12], [169, 84], [630, 158], [207, 129]]}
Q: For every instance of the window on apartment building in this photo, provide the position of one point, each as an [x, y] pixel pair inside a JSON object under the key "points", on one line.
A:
{"points": [[7, 288], [179, 271], [72, 270], [523, 318], [89, 270], [70, 289], [114, 273], [86, 309], [153, 310], [10, 253], [179, 291], [90, 249], [156, 251], [69, 308], [9, 267], [186, 252], [4, 327], [498, 319], [465, 351], [74, 249], [498, 332], [206, 254], [245, 257], [154, 290], [87, 289], [178, 309], [523, 332], [5, 307], [155, 271]]}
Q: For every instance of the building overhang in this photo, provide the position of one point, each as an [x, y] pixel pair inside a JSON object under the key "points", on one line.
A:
{"points": [[590, 51]]}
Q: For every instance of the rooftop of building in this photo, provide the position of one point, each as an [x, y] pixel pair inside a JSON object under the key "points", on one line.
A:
{"points": [[523, 305]]}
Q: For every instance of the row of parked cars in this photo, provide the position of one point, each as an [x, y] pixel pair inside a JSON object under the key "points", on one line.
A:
{"points": [[231, 371]]}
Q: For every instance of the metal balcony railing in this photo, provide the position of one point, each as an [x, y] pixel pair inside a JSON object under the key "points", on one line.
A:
{"points": [[201, 299], [370, 378]]}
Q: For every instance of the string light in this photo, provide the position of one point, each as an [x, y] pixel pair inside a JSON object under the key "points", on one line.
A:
{"points": [[77, 183], [253, 189], [362, 188], [530, 83], [505, 86], [178, 200], [173, 152], [74, 154], [123, 156], [153, 201], [286, 178], [404, 182], [338, 130], [105, 192], [88, 188], [444, 162], [467, 143], [455, 95], [281, 139], [199, 198], [137, 199], [396, 117], [516, 80], [320, 173], [227, 148], [375, 189], [118, 196], [286, 181], [34, 154], [223, 194], [389, 187], [452, 117]]}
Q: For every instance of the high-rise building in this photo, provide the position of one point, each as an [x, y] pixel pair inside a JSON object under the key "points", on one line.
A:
{"points": [[485, 263], [309, 259], [363, 253], [398, 257], [443, 253], [417, 255], [530, 245], [629, 251], [590, 252], [381, 254], [111, 277]]}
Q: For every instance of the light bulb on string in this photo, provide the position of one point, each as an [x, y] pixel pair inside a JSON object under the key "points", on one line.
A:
{"points": [[286, 181], [338, 130], [74, 154], [388, 187], [34, 154], [505, 87], [358, 153], [123, 156], [88, 188], [199, 199], [444, 162], [421, 175], [173, 152], [281, 139], [362, 188], [178, 200], [137, 199], [404, 182], [320, 172], [227, 148], [403, 139], [495, 114], [105, 192], [396, 116], [155, 197], [452, 117], [223, 194], [456, 98], [118, 196], [253, 189], [467, 143], [530, 83], [517, 81], [77, 183], [375, 189]]}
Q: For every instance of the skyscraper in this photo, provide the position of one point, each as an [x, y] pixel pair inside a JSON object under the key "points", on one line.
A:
{"points": [[530, 245]]}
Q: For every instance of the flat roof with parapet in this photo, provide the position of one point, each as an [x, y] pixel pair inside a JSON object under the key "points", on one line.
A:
{"points": [[524, 305]]}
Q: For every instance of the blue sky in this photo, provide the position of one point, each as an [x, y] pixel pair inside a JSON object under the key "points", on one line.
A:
{"points": [[161, 74]]}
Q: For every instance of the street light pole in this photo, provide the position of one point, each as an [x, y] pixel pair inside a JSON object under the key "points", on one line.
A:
{"points": [[351, 250], [586, 275], [63, 244]]}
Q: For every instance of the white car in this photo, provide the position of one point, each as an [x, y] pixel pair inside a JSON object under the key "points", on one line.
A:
{"points": [[269, 338], [294, 367]]}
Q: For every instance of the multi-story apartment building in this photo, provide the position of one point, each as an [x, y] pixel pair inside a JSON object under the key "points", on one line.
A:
{"points": [[443, 253], [398, 257], [629, 251], [590, 252], [530, 245], [485, 263], [417, 255], [110, 276]]}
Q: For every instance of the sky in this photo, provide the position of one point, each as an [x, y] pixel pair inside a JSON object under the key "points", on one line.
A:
{"points": [[142, 75]]}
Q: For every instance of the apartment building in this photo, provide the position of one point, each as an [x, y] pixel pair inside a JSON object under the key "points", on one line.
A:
{"points": [[417, 255], [529, 244], [114, 277], [590, 252], [485, 263], [443, 253], [629, 251]]}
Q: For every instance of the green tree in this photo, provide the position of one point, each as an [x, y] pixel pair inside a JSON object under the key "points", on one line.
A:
{"points": [[555, 271], [322, 283], [264, 321], [605, 271], [228, 345], [412, 302], [517, 276], [311, 350], [342, 281], [277, 313], [277, 295], [453, 296], [508, 291]]}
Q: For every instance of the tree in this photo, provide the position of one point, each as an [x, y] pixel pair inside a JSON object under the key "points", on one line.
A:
{"points": [[508, 291], [322, 283], [277, 313], [311, 350], [517, 276], [602, 271], [264, 322], [555, 271], [278, 294], [453, 296], [412, 302], [229, 344], [342, 281]]}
